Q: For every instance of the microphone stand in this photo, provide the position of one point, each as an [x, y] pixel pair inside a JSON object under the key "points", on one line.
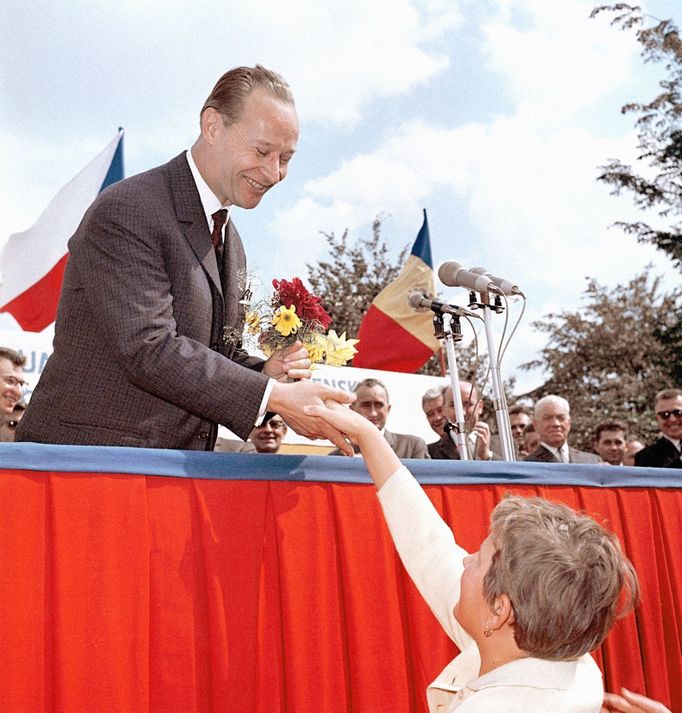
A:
{"points": [[450, 331], [499, 399]]}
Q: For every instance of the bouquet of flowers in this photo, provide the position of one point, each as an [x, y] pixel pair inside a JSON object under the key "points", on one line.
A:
{"points": [[294, 313]]}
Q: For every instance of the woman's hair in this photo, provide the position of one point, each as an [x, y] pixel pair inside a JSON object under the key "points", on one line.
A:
{"points": [[234, 86], [564, 574]]}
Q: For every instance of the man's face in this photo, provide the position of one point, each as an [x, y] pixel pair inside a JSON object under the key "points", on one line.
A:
{"points": [[470, 404], [11, 385], [611, 446], [268, 437], [553, 425], [518, 422], [8, 424], [249, 157], [435, 414], [672, 425], [372, 403]]}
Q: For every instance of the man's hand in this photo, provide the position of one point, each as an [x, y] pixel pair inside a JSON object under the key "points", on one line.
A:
{"points": [[292, 362], [630, 702], [288, 400], [482, 431]]}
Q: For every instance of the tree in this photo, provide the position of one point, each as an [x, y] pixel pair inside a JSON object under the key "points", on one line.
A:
{"points": [[659, 127], [611, 358], [353, 277]]}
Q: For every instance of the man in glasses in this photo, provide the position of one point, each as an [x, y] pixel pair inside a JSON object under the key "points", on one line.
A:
{"points": [[11, 380], [666, 451]]}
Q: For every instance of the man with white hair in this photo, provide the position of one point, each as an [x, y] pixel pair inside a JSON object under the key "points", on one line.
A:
{"points": [[552, 419], [434, 410]]}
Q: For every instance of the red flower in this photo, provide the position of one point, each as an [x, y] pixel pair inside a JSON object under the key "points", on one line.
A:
{"points": [[308, 307]]}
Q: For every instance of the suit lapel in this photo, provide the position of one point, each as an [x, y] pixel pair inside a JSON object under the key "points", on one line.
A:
{"points": [[190, 213]]}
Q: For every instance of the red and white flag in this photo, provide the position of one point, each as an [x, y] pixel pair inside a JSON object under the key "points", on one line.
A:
{"points": [[32, 262]]}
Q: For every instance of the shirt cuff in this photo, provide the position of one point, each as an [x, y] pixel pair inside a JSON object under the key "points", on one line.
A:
{"points": [[264, 402]]}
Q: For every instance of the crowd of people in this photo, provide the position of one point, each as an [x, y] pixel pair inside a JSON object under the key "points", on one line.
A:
{"points": [[145, 355]]}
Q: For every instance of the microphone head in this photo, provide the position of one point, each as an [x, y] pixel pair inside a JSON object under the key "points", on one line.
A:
{"points": [[416, 301], [447, 273]]}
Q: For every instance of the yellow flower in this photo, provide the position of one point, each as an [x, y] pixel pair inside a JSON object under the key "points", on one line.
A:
{"points": [[252, 322], [286, 321], [316, 349], [339, 349]]}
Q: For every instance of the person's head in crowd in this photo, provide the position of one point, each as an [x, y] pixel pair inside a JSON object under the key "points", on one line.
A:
{"points": [[552, 419], [249, 132], [8, 422], [669, 413], [554, 579], [632, 446], [12, 381], [531, 438], [372, 402], [471, 404], [609, 442], [519, 418], [432, 404], [267, 438]]}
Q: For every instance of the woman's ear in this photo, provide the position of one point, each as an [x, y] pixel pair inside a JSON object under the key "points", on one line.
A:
{"points": [[502, 612]]}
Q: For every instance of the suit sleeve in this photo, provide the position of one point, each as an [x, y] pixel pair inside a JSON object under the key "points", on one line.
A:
{"points": [[427, 548], [121, 263]]}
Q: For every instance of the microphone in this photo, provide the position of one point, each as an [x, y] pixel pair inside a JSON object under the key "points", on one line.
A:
{"points": [[420, 302], [507, 286], [453, 274]]}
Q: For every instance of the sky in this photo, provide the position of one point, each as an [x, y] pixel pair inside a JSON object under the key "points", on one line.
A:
{"points": [[493, 115]]}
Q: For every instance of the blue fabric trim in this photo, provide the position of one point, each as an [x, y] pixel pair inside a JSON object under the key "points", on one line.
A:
{"points": [[422, 245], [320, 469]]}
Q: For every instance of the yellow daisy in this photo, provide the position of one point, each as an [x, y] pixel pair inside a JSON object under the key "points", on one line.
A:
{"points": [[286, 321]]}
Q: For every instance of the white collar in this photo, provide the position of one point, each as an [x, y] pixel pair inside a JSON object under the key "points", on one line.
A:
{"points": [[209, 200]]}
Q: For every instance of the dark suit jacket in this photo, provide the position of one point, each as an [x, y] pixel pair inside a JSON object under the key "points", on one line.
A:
{"points": [[542, 455], [660, 454], [138, 356], [403, 445]]}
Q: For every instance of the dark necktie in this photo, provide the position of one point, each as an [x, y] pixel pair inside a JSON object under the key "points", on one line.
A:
{"points": [[219, 218]]}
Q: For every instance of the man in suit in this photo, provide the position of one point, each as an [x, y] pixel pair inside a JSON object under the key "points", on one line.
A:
{"points": [[372, 403], [478, 431], [147, 348], [434, 410], [666, 451], [552, 420]]}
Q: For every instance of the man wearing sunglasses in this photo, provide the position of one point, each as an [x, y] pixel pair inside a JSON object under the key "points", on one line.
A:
{"points": [[666, 452]]}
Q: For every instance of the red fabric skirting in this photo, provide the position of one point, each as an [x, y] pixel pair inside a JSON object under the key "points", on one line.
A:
{"points": [[141, 593]]}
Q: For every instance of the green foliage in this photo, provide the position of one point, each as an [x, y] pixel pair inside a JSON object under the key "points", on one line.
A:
{"points": [[659, 127], [353, 276], [610, 358]]}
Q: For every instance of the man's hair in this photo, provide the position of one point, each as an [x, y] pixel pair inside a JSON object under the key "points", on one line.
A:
{"points": [[370, 384], [234, 86], [14, 356], [519, 408], [433, 393], [564, 574], [668, 394], [554, 400], [609, 426]]}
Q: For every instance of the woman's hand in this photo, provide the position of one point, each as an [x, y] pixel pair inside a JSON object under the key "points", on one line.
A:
{"points": [[629, 702]]}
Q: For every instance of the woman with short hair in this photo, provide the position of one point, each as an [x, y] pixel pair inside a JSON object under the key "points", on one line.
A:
{"points": [[525, 610]]}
